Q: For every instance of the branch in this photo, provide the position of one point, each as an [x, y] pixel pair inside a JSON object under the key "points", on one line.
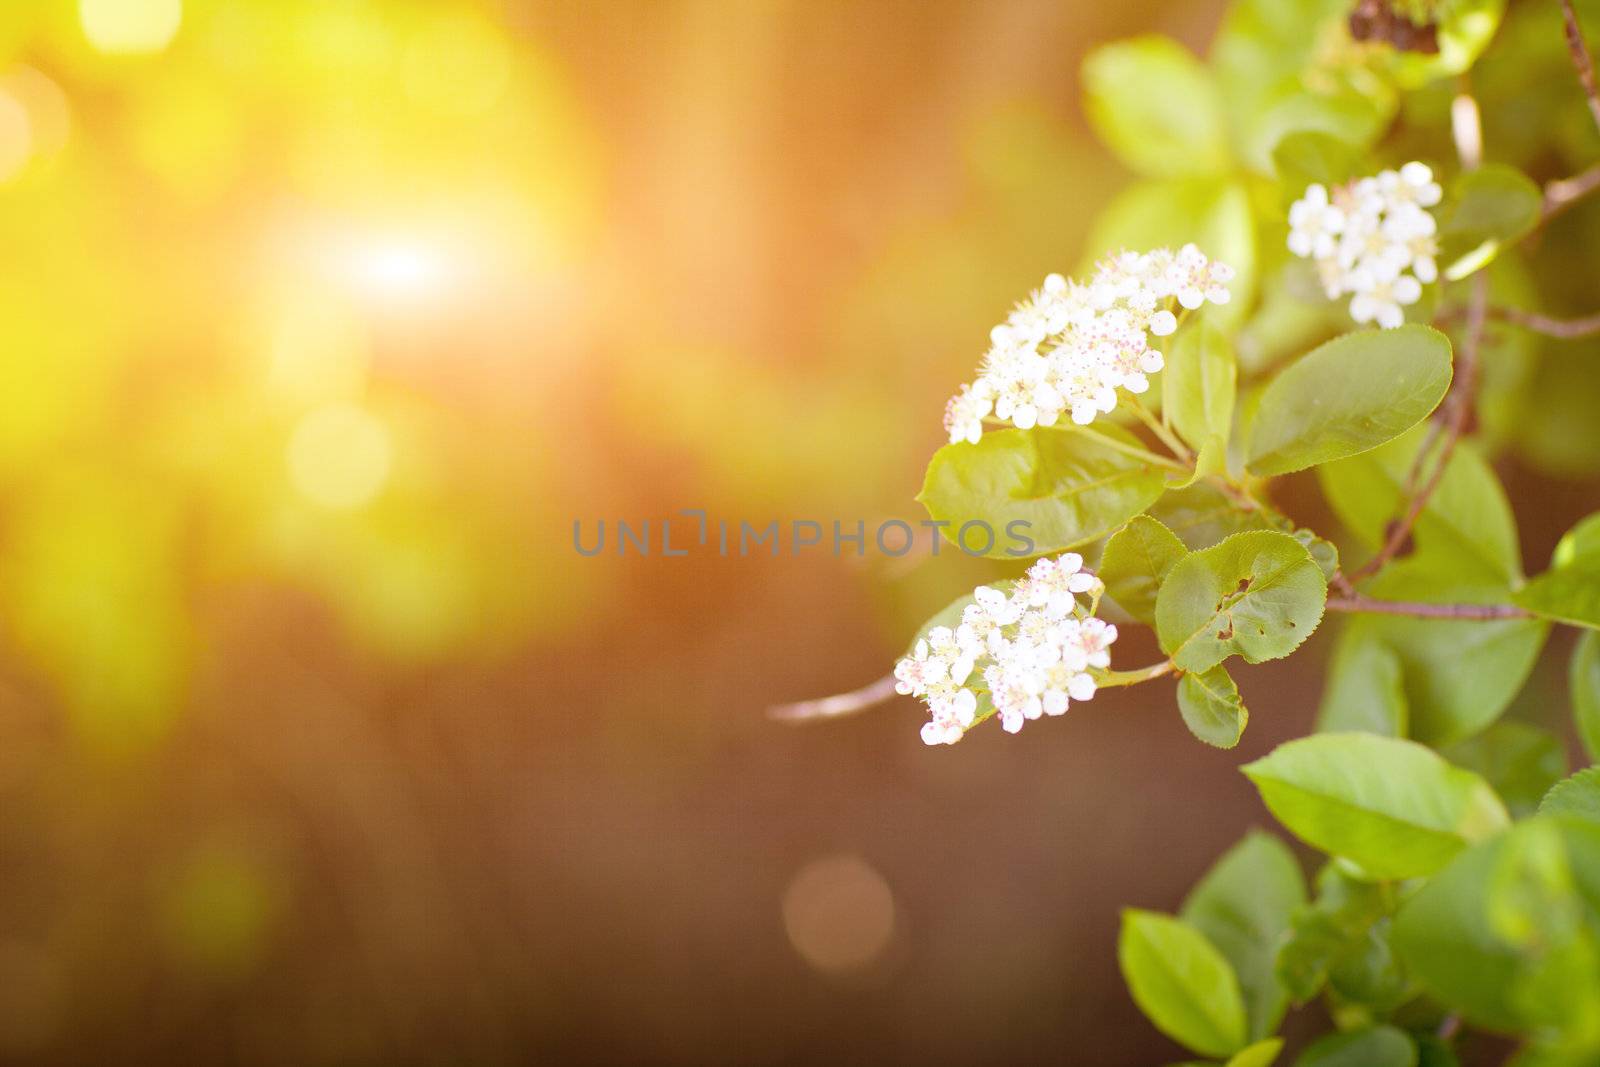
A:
{"points": [[1581, 60], [1564, 192], [1109, 679], [1566, 329], [1458, 407], [1359, 604], [867, 696]]}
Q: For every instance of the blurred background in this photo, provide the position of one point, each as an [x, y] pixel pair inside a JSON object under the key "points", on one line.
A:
{"points": [[322, 321]]}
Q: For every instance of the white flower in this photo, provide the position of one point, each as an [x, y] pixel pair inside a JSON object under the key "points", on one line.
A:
{"points": [[919, 670], [1068, 348], [963, 415], [1314, 223], [1372, 240], [1026, 654]]}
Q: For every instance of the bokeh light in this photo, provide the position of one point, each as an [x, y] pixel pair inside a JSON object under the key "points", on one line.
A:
{"points": [[839, 913], [130, 26], [339, 456]]}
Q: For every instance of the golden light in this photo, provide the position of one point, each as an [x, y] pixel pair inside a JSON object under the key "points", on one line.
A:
{"points": [[458, 63], [49, 115], [16, 136], [307, 344], [839, 914], [124, 27], [339, 456], [398, 268]]}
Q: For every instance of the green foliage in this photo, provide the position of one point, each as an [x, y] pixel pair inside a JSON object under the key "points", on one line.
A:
{"points": [[1583, 678], [1309, 156], [1377, 1046], [1211, 708], [1070, 487], [1243, 906], [1492, 207], [1466, 531], [1258, 595], [1578, 796], [1365, 687], [1260, 1054], [1393, 807], [1182, 983], [1504, 935], [1198, 394], [1520, 762], [1157, 107], [1330, 931], [1463, 878], [1135, 562], [1459, 676], [1570, 590], [1347, 396]]}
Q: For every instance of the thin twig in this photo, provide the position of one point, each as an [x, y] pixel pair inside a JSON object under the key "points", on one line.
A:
{"points": [[1166, 437], [1458, 408], [867, 696], [1108, 679], [1562, 193], [1581, 60], [1566, 329], [1359, 604]]}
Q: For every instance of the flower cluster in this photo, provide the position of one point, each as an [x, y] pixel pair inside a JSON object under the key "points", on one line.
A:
{"points": [[1070, 346], [1027, 653], [1366, 235]]}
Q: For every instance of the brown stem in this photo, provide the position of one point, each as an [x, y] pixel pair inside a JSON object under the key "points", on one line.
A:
{"points": [[1567, 329], [1581, 60], [1359, 604], [1564, 192], [842, 704], [1458, 407]]}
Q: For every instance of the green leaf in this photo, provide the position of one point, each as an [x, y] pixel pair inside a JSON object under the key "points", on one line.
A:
{"points": [[1466, 528], [1198, 387], [1464, 30], [1583, 680], [1182, 983], [1325, 552], [1369, 973], [1211, 708], [1273, 66], [1377, 1046], [1519, 761], [1213, 213], [1243, 907], [1201, 515], [1364, 689], [1327, 932], [1504, 935], [1068, 486], [1311, 156], [1570, 590], [1459, 675], [1432, 1052], [1260, 1054], [1134, 563], [1578, 796], [1256, 594], [1155, 105], [1347, 396], [1490, 207], [1393, 807]]}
